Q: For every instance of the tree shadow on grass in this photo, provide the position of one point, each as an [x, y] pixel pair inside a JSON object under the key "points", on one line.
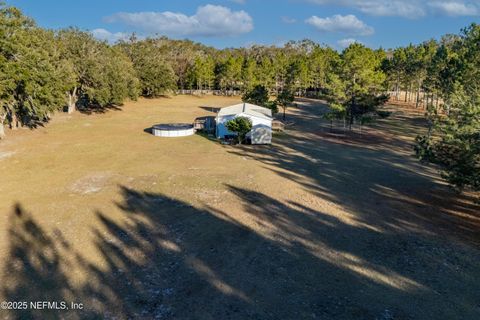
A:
{"points": [[34, 270], [164, 259], [411, 275], [97, 109], [378, 182], [413, 224]]}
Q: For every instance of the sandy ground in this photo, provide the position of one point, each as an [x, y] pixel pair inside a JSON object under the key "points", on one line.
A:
{"points": [[317, 226]]}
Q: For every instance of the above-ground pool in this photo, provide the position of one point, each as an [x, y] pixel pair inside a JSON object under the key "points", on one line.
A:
{"points": [[173, 130]]}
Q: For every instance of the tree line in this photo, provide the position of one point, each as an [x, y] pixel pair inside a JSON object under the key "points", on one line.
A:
{"points": [[42, 71]]}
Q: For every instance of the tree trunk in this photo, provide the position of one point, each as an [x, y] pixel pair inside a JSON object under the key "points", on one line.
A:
{"points": [[71, 105], [2, 127], [72, 100], [353, 101], [14, 121], [398, 89], [418, 96], [284, 117], [350, 120]]}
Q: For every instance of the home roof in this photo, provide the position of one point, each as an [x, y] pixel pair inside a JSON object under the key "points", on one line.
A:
{"points": [[247, 108]]}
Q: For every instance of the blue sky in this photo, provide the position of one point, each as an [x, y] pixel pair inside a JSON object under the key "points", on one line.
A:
{"points": [[233, 23]]}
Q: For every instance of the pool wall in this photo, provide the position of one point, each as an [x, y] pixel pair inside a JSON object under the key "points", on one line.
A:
{"points": [[173, 130]]}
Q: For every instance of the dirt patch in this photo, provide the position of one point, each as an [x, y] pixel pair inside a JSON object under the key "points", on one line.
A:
{"points": [[92, 183], [6, 154], [210, 196]]}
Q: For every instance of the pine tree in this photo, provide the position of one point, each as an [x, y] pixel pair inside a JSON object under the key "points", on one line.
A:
{"points": [[360, 70], [453, 139]]}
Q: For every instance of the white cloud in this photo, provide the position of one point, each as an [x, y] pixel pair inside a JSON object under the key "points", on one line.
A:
{"points": [[393, 8], [209, 21], [288, 20], [454, 8], [405, 8], [106, 35], [345, 43], [408, 8], [348, 24]]}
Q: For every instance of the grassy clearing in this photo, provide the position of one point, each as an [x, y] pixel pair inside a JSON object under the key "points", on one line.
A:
{"points": [[315, 226]]}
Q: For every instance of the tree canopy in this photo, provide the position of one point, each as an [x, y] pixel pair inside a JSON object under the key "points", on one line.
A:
{"points": [[155, 75]]}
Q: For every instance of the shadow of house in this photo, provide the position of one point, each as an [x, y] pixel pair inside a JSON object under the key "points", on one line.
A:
{"points": [[210, 109]]}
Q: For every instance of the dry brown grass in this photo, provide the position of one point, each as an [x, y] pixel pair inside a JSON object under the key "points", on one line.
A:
{"points": [[315, 226]]}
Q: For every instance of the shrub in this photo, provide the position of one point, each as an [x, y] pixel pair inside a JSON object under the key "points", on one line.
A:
{"points": [[241, 126]]}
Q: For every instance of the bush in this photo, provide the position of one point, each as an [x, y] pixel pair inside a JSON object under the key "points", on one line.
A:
{"points": [[241, 126]]}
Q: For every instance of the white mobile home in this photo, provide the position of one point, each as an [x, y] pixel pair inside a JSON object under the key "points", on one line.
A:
{"points": [[261, 121]]}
